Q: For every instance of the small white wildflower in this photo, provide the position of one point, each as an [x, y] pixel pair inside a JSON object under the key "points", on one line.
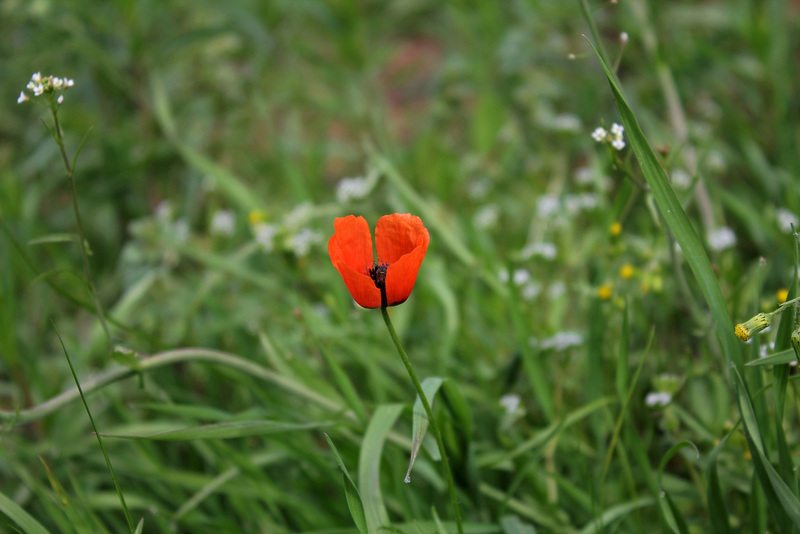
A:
{"points": [[352, 189], [58, 83], [657, 399], [567, 122], [547, 206], [623, 37], [302, 241], [521, 276], [619, 144], [486, 217], [681, 179], [510, 402], [69, 82], [556, 289], [38, 89], [479, 188], [223, 223], [560, 341], [164, 211], [544, 250], [36, 78], [721, 238], [617, 130], [589, 201], [584, 175], [572, 204], [22, 97], [503, 276], [531, 290], [265, 235], [298, 216], [786, 219], [181, 230], [716, 162], [60, 99], [599, 134]]}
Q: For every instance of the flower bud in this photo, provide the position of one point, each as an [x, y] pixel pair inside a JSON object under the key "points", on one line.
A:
{"points": [[754, 325]]}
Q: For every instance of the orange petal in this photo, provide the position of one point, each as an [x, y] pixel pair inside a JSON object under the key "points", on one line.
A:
{"points": [[361, 286], [402, 241], [351, 243], [397, 235], [350, 250]]}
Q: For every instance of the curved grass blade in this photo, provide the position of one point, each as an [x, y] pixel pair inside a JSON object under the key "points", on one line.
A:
{"points": [[237, 429], [717, 510], [779, 358], [672, 514], [614, 513], [430, 386], [97, 434], [354, 503], [23, 519], [678, 223], [782, 502], [369, 464]]}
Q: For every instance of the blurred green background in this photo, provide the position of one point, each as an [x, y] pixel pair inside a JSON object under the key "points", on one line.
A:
{"points": [[224, 137]]}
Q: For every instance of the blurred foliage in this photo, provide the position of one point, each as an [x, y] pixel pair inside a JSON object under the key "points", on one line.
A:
{"points": [[219, 136]]}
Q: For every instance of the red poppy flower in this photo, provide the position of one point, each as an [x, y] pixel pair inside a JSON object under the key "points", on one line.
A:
{"points": [[401, 241]]}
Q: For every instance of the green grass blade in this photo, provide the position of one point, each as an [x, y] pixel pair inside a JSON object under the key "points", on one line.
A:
{"points": [[430, 386], [673, 516], [120, 496], [623, 355], [717, 509], [782, 502], [354, 503], [23, 519], [369, 464], [678, 223], [779, 358], [614, 513], [237, 429]]}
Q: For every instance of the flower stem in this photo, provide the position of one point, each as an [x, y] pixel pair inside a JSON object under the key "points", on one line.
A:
{"points": [[70, 168], [448, 475]]}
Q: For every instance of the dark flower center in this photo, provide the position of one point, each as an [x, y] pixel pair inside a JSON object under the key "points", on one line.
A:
{"points": [[378, 274]]}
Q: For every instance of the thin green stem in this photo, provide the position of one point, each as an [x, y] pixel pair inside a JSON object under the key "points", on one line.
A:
{"points": [[97, 434], [448, 475], [70, 168]]}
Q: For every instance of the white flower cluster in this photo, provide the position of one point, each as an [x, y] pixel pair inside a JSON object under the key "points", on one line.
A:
{"points": [[352, 189], [721, 238], [551, 207], [40, 85], [657, 399], [559, 342], [223, 223], [543, 249], [615, 137]]}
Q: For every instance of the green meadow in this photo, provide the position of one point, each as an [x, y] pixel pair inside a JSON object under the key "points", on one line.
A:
{"points": [[608, 188]]}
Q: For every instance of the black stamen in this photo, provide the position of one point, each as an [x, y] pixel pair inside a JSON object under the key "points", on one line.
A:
{"points": [[378, 274]]}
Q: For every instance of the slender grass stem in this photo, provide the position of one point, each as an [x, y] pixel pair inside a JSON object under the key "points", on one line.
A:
{"points": [[434, 428], [97, 434], [70, 168]]}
